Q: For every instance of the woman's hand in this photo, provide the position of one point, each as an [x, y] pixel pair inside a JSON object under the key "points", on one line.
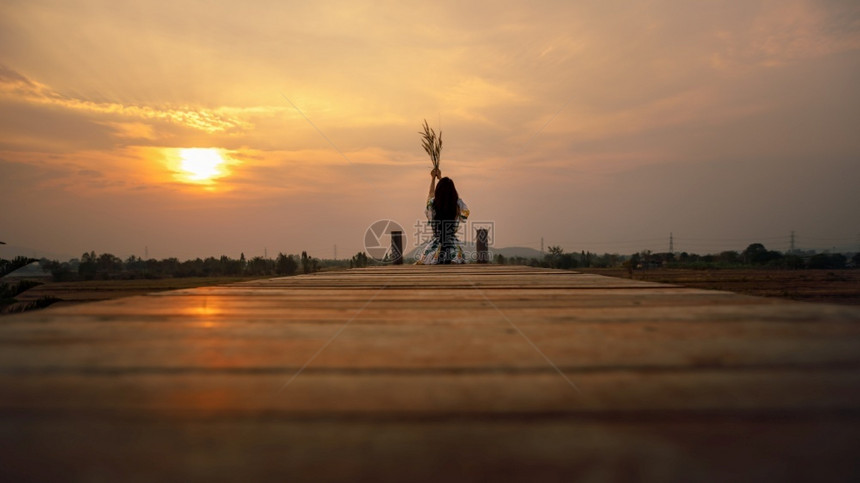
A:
{"points": [[436, 173], [433, 175]]}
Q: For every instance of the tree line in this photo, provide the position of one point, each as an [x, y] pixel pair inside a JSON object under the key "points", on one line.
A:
{"points": [[106, 266], [755, 255]]}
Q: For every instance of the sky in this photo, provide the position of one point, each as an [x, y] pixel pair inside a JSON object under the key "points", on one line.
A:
{"points": [[192, 129]]}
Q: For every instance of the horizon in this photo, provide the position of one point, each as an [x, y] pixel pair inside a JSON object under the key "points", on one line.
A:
{"points": [[290, 127], [15, 251]]}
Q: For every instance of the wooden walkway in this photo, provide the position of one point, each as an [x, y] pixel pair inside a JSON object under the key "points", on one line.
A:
{"points": [[454, 373]]}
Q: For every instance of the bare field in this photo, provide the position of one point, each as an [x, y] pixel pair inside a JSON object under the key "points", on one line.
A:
{"points": [[821, 286]]}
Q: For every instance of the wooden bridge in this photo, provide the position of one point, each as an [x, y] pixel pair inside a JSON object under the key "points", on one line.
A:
{"points": [[455, 373]]}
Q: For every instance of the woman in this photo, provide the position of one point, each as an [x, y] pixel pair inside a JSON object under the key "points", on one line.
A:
{"points": [[445, 210]]}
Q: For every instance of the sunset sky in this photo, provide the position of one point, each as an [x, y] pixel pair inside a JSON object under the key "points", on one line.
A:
{"points": [[206, 128]]}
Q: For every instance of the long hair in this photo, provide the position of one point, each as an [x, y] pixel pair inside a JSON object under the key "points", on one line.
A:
{"points": [[445, 201], [446, 211]]}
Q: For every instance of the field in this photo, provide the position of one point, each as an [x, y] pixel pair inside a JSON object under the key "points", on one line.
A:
{"points": [[821, 286]]}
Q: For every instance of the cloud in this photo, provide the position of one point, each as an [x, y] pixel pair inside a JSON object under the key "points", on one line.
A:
{"points": [[579, 116], [90, 172], [18, 87], [132, 130], [470, 98], [783, 32]]}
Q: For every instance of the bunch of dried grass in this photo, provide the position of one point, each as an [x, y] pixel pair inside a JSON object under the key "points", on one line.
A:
{"points": [[432, 144]]}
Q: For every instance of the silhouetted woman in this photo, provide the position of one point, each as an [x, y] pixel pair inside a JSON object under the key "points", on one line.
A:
{"points": [[445, 210]]}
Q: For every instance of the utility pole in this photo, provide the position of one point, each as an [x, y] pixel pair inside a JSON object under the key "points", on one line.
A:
{"points": [[671, 243], [265, 253], [541, 245], [335, 251], [791, 249]]}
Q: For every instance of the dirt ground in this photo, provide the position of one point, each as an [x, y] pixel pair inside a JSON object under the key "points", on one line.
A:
{"points": [[820, 286]]}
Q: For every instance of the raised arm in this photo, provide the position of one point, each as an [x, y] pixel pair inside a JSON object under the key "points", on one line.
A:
{"points": [[433, 175]]}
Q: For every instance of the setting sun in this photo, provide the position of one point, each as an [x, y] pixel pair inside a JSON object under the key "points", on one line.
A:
{"points": [[201, 164]]}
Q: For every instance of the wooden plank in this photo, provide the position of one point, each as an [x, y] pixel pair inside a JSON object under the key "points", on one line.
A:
{"points": [[429, 373], [364, 343], [418, 394], [265, 449], [251, 302], [458, 309]]}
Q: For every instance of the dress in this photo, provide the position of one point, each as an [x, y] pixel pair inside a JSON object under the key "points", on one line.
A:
{"points": [[432, 253]]}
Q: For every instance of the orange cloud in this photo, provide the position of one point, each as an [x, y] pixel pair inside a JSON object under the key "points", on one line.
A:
{"points": [[15, 86]]}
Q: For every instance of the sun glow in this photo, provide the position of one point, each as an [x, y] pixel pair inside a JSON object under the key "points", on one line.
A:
{"points": [[201, 164]]}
